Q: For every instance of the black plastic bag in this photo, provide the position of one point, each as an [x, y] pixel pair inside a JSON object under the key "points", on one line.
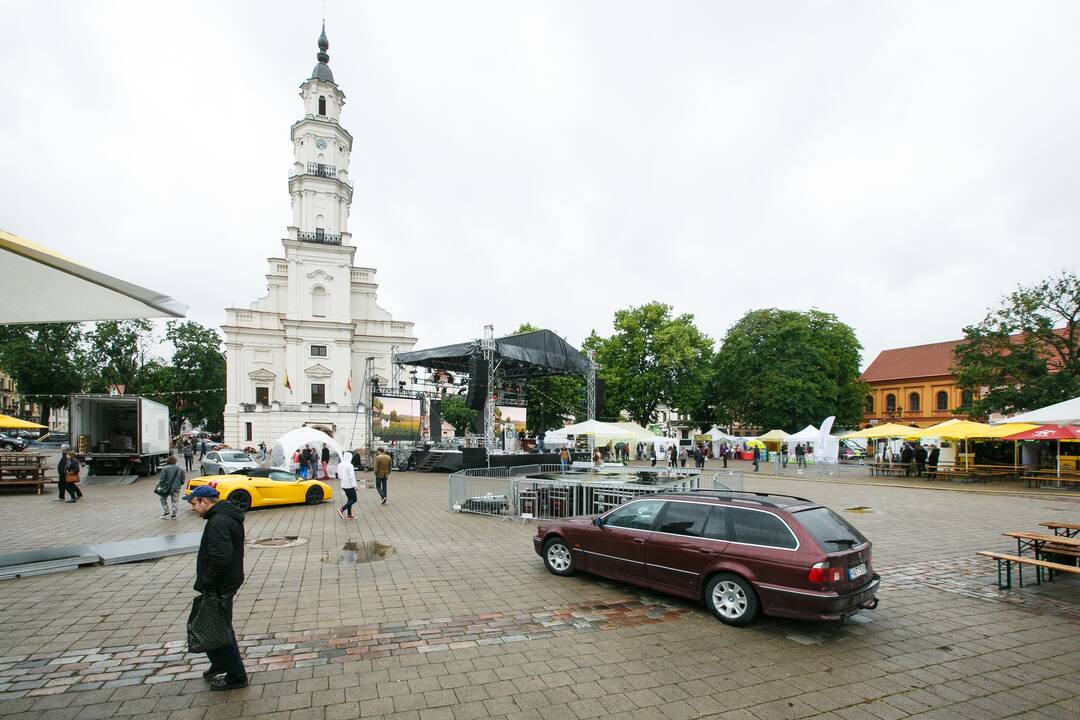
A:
{"points": [[209, 625]]}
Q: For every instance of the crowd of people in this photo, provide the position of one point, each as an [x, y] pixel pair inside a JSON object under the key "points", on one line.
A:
{"points": [[915, 458]]}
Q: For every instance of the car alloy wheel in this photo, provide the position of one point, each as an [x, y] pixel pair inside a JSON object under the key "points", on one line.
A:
{"points": [[732, 600], [557, 557], [314, 495], [241, 499]]}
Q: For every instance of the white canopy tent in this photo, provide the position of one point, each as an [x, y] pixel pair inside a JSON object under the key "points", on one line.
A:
{"points": [[282, 451], [808, 434], [45, 287], [719, 436], [1062, 413], [601, 433]]}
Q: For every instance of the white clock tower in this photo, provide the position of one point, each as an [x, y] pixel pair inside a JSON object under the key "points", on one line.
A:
{"points": [[319, 184], [297, 356]]}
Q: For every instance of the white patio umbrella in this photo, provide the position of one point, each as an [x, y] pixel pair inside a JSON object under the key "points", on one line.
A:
{"points": [[40, 286]]}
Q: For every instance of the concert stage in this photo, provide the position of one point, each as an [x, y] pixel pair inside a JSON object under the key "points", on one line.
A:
{"points": [[450, 461]]}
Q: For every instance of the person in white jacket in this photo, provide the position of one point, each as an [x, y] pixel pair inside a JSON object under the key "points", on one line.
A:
{"points": [[348, 486]]}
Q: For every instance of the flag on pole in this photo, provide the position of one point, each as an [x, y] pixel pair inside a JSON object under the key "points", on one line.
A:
{"points": [[287, 383], [348, 383]]}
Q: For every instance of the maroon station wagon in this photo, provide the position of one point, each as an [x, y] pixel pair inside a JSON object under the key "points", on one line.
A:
{"points": [[740, 552]]}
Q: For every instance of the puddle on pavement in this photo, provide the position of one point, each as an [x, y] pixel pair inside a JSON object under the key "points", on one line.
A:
{"points": [[860, 510], [354, 553], [278, 543]]}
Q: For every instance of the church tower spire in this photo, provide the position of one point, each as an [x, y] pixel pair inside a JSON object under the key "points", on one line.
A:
{"points": [[319, 182]]}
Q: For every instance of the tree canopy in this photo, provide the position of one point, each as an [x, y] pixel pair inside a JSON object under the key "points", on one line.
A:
{"points": [[786, 369], [1026, 353], [46, 361], [653, 358]]}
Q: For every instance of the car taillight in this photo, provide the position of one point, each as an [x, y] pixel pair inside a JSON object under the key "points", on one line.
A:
{"points": [[821, 574]]}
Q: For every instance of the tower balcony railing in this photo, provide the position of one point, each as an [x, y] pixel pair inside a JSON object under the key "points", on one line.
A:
{"points": [[322, 170], [320, 237]]}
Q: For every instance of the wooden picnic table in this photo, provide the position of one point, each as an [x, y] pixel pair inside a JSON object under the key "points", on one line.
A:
{"points": [[1041, 543], [22, 469], [1062, 528], [1035, 478]]}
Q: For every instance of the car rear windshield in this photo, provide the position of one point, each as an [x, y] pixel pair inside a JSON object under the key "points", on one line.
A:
{"points": [[235, 457], [832, 532]]}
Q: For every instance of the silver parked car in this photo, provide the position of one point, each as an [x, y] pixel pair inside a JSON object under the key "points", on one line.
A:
{"points": [[224, 462]]}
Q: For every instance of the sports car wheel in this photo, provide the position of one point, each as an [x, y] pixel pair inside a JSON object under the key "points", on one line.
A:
{"points": [[557, 557], [314, 495], [221, 471], [732, 600], [241, 499]]}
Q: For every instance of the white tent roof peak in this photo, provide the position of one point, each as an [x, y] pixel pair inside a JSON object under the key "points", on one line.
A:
{"points": [[1062, 413]]}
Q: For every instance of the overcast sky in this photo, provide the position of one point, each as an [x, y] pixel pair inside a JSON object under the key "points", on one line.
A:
{"points": [[901, 165]]}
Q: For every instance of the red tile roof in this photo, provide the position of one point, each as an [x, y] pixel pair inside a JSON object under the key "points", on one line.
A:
{"points": [[923, 361], [917, 361]]}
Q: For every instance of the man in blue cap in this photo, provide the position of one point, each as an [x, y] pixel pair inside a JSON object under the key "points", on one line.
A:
{"points": [[219, 570]]}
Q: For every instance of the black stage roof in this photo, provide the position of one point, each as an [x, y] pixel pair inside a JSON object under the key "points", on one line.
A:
{"points": [[518, 356]]}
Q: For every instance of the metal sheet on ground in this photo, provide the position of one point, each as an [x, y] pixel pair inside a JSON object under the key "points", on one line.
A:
{"points": [[138, 549], [28, 557]]}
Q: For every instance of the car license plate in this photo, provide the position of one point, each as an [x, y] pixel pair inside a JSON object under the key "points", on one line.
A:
{"points": [[856, 572]]}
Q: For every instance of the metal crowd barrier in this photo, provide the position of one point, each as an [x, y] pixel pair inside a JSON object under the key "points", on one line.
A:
{"points": [[510, 493]]}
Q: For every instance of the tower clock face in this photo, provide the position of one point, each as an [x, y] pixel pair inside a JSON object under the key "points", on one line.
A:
{"points": [[320, 143]]}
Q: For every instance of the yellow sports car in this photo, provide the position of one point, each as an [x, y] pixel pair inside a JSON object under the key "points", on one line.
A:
{"points": [[263, 487]]}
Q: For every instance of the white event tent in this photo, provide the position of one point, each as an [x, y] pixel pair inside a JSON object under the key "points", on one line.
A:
{"points": [[1062, 413]]}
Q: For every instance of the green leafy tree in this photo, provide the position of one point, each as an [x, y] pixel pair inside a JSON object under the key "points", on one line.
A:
{"points": [[1025, 354], [652, 358], [551, 400], [198, 368], [455, 412], [45, 361], [117, 351], [787, 369]]}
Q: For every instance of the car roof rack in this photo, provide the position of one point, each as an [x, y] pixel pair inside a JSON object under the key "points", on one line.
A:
{"points": [[758, 497]]}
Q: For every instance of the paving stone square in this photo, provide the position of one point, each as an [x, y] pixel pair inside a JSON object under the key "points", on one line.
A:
{"points": [[463, 621]]}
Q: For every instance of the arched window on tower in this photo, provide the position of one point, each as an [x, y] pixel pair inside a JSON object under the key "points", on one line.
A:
{"points": [[318, 301], [890, 403], [869, 404], [913, 402], [942, 400], [322, 105]]}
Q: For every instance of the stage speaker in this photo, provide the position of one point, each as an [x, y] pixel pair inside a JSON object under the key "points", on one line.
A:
{"points": [[478, 383], [473, 458], [599, 396], [435, 418]]}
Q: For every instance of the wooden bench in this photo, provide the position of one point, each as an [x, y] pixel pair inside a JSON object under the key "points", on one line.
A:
{"points": [[1007, 562], [1060, 527], [1037, 480], [22, 469]]}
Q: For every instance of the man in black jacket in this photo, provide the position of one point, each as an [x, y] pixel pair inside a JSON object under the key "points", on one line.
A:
{"points": [[219, 570]]}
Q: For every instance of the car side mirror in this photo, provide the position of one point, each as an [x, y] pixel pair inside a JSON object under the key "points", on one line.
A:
{"points": [[598, 521]]}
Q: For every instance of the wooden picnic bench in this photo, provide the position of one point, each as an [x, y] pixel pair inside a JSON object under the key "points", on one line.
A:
{"points": [[1006, 562], [1066, 529], [22, 469], [1035, 478]]}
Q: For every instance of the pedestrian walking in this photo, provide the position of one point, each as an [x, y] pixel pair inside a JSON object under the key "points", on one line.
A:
{"points": [[724, 450], [296, 462], [219, 573], [261, 457], [672, 455], [757, 457], [564, 459], [932, 458], [61, 475], [348, 486], [682, 457], [189, 455], [71, 476], [652, 454], [168, 487], [784, 452], [202, 449], [382, 472], [920, 459], [324, 457]]}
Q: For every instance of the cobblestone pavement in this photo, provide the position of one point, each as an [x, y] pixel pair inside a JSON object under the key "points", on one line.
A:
{"points": [[462, 621]]}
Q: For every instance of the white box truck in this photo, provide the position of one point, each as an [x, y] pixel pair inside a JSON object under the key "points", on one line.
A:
{"points": [[119, 434]]}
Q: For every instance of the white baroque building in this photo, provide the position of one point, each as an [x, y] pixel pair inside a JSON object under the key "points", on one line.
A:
{"points": [[319, 322]]}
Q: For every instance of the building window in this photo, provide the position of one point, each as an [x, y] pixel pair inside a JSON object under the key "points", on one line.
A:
{"points": [[913, 404], [247, 431], [318, 351], [322, 105], [318, 394], [890, 403], [869, 403], [262, 396], [966, 398], [318, 301], [942, 400]]}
